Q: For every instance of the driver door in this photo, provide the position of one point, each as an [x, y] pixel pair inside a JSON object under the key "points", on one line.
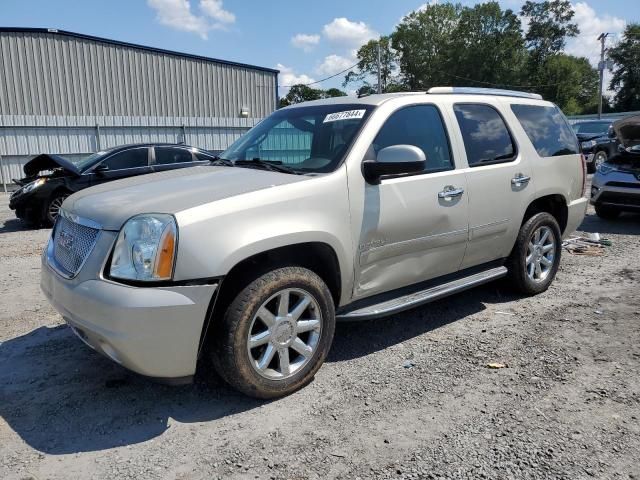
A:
{"points": [[122, 164], [412, 230]]}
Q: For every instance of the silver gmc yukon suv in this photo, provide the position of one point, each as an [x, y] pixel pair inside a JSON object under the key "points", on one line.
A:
{"points": [[338, 209]]}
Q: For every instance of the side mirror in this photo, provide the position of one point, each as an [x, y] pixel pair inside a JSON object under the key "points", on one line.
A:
{"points": [[101, 168], [394, 160]]}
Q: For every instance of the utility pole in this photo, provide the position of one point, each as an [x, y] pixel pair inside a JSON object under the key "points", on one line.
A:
{"points": [[601, 67], [379, 69]]}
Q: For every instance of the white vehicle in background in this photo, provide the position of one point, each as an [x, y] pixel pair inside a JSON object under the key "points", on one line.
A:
{"points": [[342, 208]]}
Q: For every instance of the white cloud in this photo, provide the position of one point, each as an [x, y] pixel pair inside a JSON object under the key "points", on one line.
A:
{"points": [[586, 44], [177, 14], [342, 31], [305, 42], [213, 9], [333, 64], [289, 77]]}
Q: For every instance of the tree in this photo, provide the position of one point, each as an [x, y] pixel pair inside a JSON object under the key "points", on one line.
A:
{"points": [[304, 93], [423, 41], [368, 64], [626, 70], [549, 26], [334, 92], [487, 46], [570, 82]]}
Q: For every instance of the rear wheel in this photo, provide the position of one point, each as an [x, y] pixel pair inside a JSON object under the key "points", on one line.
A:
{"points": [[276, 333], [606, 212], [53, 207], [535, 258]]}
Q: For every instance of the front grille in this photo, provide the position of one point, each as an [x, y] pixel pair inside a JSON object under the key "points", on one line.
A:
{"points": [[72, 244]]}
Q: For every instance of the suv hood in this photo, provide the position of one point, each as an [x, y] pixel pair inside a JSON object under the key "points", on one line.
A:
{"points": [[47, 161], [111, 204]]}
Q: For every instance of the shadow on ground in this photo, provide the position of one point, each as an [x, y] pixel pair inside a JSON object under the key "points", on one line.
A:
{"points": [[61, 397], [625, 224], [16, 225]]}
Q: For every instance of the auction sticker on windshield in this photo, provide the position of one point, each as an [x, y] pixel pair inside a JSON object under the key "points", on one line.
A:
{"points": [[346, 115]]}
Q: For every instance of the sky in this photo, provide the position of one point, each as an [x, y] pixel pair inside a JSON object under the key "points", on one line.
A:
{"points": [[306, 41]]}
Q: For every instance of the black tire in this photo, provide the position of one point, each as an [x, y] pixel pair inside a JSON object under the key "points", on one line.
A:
{"points": [[606, 212], [517, 262], [230, 352], [52, 206]]}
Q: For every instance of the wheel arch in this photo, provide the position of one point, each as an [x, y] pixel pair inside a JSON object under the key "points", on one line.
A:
{"points": [[554, 204], [319, 257]]}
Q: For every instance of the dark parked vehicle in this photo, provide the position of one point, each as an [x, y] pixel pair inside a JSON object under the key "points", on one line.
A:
{"points": [[51, 178], [597, 140], [616, 185]]}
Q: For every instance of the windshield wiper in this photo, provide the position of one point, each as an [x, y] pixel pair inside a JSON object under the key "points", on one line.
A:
{"points": [[222, 161], [274, 167]]}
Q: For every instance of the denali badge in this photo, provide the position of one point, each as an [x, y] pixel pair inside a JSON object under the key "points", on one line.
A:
{"points": [[65, 240]]}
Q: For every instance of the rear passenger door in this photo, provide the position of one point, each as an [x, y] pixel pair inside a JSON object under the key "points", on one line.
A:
{"points": [[499, 182], [170, 158]]}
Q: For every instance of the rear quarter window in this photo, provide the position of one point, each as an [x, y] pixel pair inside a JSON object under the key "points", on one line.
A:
{"points": [[547, 129]]}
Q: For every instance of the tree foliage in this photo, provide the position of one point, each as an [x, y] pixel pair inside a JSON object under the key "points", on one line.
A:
{"points": [[626, 69], [484, 46], [303, 93]]}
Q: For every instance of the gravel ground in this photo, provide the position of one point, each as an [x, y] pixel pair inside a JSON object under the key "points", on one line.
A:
{"points": [[405, 397]]}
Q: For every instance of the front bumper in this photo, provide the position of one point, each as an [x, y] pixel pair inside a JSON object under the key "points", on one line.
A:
{"points": [[154, 331], [619, 189]]}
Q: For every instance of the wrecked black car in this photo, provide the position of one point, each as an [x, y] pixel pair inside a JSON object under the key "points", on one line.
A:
{"points": [[616, 184], [598, 141], [49, 179]]}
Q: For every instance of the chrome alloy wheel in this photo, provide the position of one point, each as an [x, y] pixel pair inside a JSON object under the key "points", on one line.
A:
{"points": [[284, 333], [541, 253], [599, 159], [54, 207]]}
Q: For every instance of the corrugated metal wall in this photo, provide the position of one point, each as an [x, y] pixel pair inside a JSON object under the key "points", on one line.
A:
{"points": [[70, 95], [56, 74]]}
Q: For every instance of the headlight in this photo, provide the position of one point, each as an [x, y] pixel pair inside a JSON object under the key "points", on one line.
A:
{"points": [[605, 168], [589, 144], [33, 185], [145, 249]]}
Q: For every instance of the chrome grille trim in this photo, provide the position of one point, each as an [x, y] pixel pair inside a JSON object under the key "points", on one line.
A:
{"points": [[72, 241]]}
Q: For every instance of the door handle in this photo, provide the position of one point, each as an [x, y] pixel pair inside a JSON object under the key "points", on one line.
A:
{"points": [[520, 180], [450, 192]]}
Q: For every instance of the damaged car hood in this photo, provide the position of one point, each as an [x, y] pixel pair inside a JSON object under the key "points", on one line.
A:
{"points": [[628, 131], [113, 203], [48, 161]]}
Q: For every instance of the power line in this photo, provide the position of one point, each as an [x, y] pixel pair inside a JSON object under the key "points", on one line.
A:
{"points": [[323, 80]]}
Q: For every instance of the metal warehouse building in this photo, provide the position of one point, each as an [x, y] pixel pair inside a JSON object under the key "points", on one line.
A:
{"points": [[73, 94]]}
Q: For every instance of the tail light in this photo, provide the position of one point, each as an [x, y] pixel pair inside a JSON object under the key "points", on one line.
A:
{"points": [[583, 163]]}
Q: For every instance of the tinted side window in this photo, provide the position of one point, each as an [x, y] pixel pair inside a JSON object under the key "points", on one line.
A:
{"points": [[486, 137], [167, 155], [136, 157], [420, 126], [547, 129]]}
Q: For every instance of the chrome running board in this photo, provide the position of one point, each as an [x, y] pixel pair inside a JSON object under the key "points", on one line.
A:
{"points": [[415, 299]]}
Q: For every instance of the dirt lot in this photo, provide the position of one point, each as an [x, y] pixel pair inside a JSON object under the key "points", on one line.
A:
{"points": [[405, 397]]}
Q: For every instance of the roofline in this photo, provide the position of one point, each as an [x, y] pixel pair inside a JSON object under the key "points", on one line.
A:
{"points": [[55, 31]]}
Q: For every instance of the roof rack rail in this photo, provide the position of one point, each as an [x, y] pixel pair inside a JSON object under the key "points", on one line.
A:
{"points": [[484, 91]]}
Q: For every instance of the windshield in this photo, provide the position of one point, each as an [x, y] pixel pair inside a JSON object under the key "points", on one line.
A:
{"points": [[592, 127], [85, 162], [305, 139]]}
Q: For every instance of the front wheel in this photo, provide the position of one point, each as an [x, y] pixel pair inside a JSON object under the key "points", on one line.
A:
{"points": [[52, 208], [276, 333], [535, 258]]}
